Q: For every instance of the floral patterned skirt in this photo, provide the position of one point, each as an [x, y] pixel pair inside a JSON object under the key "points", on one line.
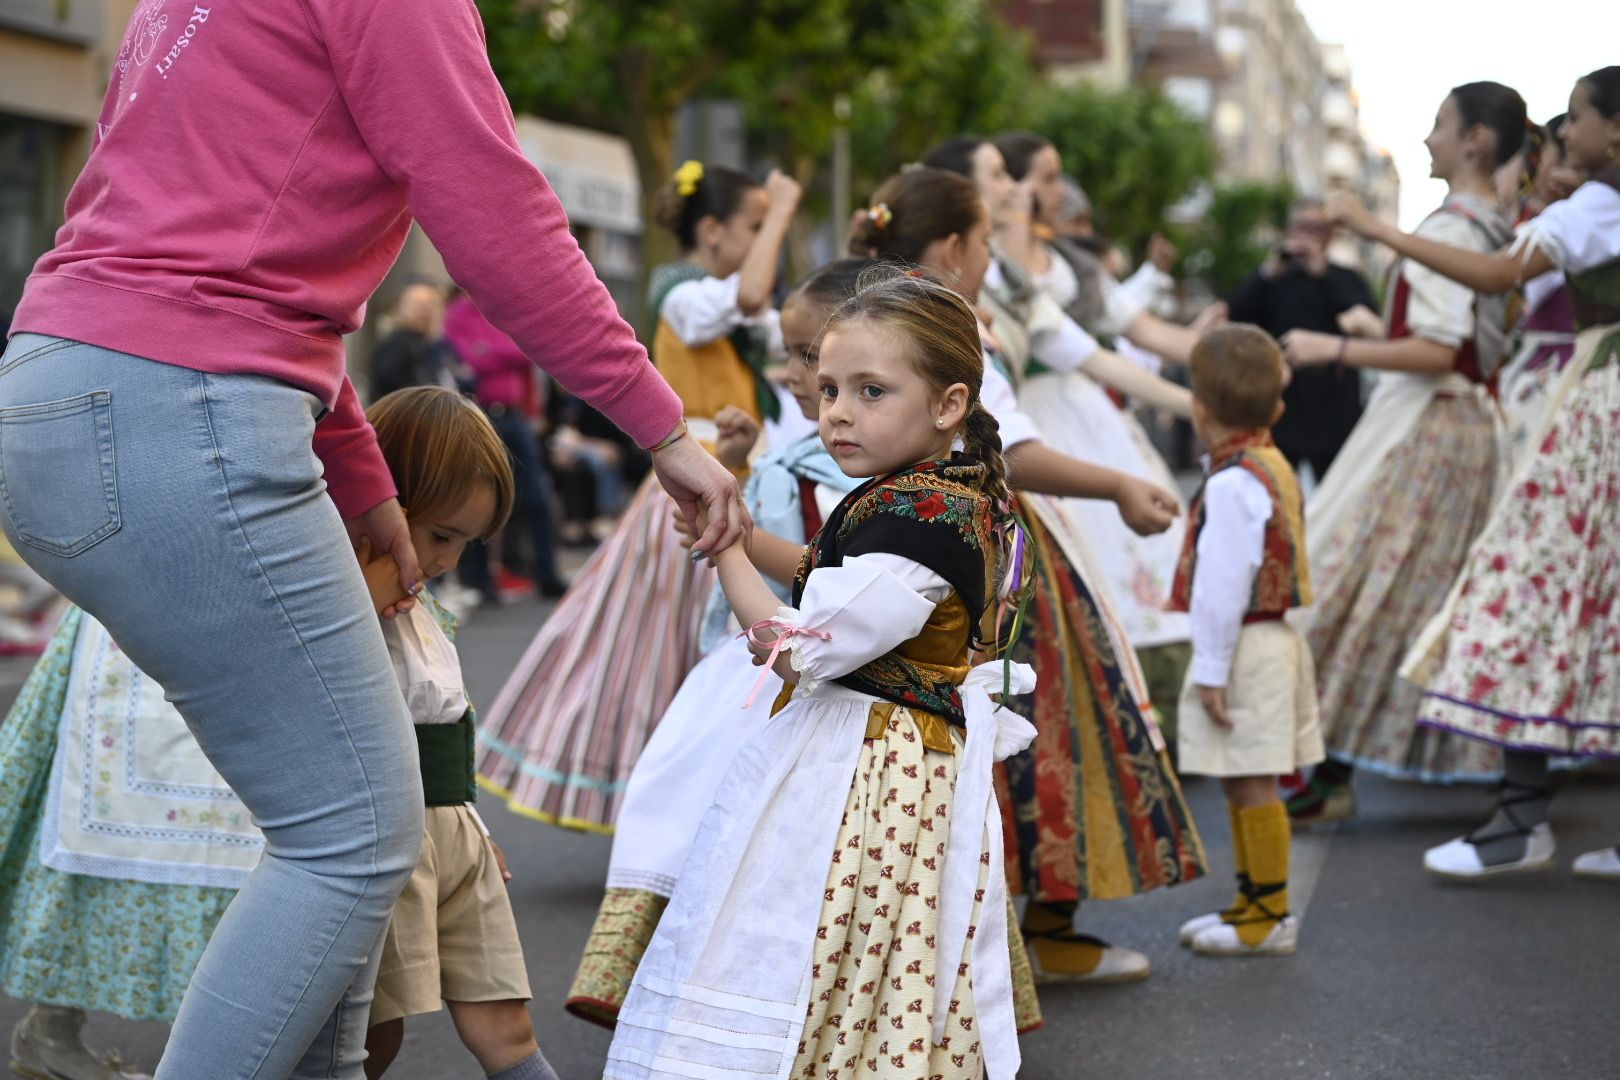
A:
{"points": [[1379, 579], [1092, 809], [876, 961], [1529, 657], [123, 947]]}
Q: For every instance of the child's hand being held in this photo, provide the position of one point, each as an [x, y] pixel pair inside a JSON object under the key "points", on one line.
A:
{"points": [[382, 577]]}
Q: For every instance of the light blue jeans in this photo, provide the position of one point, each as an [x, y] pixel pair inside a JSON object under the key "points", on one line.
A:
{"points": [[186, 511]]}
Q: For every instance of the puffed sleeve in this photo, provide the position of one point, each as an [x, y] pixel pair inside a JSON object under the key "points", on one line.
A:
{"points": [[1441, 310], [1579, 233], [853, 613]]}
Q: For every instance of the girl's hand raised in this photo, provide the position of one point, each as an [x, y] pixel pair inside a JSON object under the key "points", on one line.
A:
{"points": [[1344, 208], [784, 191]]}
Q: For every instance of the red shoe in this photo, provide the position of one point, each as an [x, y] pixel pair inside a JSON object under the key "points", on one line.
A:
{"points": [[510, 587]]}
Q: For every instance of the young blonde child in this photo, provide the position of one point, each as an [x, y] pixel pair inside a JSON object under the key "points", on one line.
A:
{"points": [[453, 937], [824, 922], [1248, 709]]}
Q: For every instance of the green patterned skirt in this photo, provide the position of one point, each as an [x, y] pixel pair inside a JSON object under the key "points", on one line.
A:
{"points": [[122, 947]]}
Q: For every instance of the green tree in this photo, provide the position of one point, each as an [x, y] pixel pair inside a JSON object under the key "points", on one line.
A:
{"points": [[914, 71], [1134, 151], [1231, 239]]}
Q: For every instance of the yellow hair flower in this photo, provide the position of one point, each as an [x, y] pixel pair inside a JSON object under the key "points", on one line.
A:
{"points": [[881, 215], [687, 178]]}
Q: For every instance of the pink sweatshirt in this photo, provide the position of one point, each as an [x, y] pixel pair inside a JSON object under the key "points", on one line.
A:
{"points": [[256, 170]]}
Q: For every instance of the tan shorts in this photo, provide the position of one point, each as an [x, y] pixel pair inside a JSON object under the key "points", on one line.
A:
{"points": [[1271, 701], [453, 936]]}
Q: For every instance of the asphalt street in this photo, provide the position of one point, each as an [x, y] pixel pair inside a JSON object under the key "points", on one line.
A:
{"points": [[1398, 975]]}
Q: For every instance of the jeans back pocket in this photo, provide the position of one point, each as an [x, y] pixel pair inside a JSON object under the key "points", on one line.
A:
{"points": [[57, 474]]}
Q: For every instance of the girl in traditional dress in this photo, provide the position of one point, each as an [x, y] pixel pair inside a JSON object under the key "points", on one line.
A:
{"points": [[1526, 655], [843, 906], [789, 493], [562, 734], [1546, 333], [1063, 376], [1389, 528]]}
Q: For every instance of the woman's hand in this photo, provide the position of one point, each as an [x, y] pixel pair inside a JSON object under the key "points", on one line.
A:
{"points": [[738, 434], [385, 528], [1307, 348], [1147, 508], [698, 482]]}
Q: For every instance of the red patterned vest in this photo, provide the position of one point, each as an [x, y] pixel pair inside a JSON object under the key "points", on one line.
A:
{"points": [[1284, 580]]}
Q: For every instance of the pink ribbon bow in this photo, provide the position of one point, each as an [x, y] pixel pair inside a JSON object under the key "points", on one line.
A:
{"points": [[784, 631]]}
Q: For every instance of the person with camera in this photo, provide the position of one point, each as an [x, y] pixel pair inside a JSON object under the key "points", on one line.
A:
{"points": [[1297, 288]]}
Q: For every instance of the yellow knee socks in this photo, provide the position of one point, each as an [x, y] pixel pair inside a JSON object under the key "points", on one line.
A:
{"points": [[1049, 930], [1240, 906], [1261, 836]]}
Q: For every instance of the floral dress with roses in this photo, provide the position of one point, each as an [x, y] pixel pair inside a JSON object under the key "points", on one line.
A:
{"points": [[842, 910], [1526, 654]]}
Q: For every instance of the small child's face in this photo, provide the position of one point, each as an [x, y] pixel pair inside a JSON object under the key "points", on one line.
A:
{"points": [[878, 414], [802, 321], [440, 538]]}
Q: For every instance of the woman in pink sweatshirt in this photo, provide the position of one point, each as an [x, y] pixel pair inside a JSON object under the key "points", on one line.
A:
{"points": [[180, 449]]}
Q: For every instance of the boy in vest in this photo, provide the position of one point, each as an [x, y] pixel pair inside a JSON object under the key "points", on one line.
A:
{"points": [[1248, 709]]}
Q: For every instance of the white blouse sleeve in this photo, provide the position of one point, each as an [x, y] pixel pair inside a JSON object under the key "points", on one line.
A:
{"points": [[1439, 309], [706, 310], [1231, 546], [1056, 340], [865, 607], [1579, 233], [997, 395]]}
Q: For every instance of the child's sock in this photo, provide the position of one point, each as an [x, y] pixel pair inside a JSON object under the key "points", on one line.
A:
{"points": [[1049, 929], [533, 1067], [1266, 837], [1240, 860]]}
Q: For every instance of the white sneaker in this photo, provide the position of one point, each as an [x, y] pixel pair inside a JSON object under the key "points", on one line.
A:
{"points": [[1222, 940], [1118, 965], [1458, 860], [1601, 865], [1197, 925]]}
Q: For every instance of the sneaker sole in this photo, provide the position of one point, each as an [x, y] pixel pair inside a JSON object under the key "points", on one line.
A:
{"points": [[1064, 978], [1596, 875], [1492, 871], [1255, 953], [31, 1073]]}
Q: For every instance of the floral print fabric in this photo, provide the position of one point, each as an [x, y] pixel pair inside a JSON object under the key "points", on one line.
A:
{"points": [[1382, 575], [1531, 656]]}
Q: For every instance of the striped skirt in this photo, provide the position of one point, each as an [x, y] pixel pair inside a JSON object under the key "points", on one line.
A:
{"points": [[566, 729]]}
